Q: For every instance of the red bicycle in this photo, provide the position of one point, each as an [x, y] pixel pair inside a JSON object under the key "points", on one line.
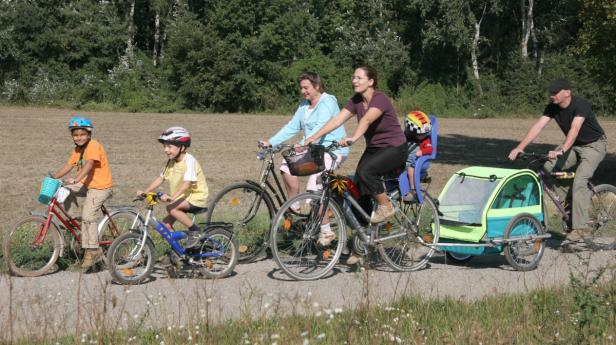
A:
{"points": [[35, 243]]}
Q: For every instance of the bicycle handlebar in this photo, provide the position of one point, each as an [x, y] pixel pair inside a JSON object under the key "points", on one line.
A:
{"points": [[143, 196], [269, 149], [533, 155]]}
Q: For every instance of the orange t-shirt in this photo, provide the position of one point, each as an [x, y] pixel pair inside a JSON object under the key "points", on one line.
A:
{"points": [[100, 176]]}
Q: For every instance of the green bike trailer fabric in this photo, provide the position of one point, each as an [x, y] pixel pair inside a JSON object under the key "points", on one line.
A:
{"points": [[477, 203]]}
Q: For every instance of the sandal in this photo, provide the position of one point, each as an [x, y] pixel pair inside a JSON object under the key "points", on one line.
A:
{"points": [[326, 237]]}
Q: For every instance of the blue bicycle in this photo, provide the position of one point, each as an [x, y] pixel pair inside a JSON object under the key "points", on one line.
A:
{"points": [[131, 256]]}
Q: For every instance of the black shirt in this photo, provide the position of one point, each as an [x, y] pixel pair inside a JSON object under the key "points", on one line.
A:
{"points": [[590, 132]]}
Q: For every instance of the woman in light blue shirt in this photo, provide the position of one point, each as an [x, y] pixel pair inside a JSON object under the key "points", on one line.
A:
{"points": [[317, 108]]}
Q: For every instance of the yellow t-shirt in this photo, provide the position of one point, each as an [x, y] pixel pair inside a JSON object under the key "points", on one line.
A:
{"points": [[188, 169], [100, 176]]}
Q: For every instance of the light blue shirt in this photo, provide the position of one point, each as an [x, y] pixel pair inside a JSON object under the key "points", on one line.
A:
{"points": [[311, 121]]}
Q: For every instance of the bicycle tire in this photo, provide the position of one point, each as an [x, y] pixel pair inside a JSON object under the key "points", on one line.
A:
{"points": [[220, 241], [235, 204], [419, 227], [458, 259], [22, 256], [124, 220], [294, 237], [603, 217], [524, 255], [123, 260]]}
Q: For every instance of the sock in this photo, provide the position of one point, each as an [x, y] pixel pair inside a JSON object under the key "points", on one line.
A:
{"points": [[194, 227], [326, 228]]}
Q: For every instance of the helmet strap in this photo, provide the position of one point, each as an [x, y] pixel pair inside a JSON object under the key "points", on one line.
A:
{"points": [[182, 151]]}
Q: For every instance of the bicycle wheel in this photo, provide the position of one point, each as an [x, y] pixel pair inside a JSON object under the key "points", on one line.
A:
{"points": [[26, 254], [250, 210], [126, 263], [221, 244], [294, 236], [524, 255], [458, 259], [603, 217], [403, 241], [119, 222]]}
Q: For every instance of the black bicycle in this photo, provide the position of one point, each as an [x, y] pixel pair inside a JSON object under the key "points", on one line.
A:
{"points": [[250, 205], [602, 210]]}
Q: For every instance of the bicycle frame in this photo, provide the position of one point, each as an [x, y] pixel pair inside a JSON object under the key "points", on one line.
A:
{"points": [[366, 234], [265, 183], [547, 190], [171, 237], [55, 209]]}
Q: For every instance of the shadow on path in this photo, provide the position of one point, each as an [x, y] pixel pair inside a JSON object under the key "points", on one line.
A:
{"points": [[471, 151]]}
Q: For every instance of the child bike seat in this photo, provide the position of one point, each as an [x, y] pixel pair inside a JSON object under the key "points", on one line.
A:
{"points": [[421, 173]]}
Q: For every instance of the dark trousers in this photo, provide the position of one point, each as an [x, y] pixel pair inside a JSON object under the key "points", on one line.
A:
{"points": [[376, 162]]}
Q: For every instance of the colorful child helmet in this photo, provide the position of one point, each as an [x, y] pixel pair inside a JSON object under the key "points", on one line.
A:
{"points": [[418, 122], [178, 136], [79, 122]]}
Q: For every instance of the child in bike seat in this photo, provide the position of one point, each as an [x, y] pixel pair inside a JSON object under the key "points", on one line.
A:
{"points": [[417, 127], [188, 189], [93, 181]]}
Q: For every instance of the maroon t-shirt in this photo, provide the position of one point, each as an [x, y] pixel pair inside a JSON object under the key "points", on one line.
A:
{"points": [[386, 130]]}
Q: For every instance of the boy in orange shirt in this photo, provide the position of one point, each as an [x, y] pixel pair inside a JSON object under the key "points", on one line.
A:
{"points": [[93, 181]]}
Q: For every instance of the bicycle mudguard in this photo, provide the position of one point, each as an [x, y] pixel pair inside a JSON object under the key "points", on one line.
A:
{"points": [[44, 215]]}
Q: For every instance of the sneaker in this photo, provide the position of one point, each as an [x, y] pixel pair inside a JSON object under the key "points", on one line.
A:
{"points": [[579, 234], [410, 197], [326, 237], [352, 259], [382, 213], [192, 239], [93, 255]]}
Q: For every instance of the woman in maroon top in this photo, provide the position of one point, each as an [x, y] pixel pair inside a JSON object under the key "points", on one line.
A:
{"points": [[386, 147]]}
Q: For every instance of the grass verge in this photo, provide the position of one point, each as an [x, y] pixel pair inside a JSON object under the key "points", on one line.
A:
{"points": [[582, 312]]}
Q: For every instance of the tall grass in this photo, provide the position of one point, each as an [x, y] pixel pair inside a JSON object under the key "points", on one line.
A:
{"points": [[582, 312]]}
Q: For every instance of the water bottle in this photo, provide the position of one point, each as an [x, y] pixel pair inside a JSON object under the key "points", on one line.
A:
{"points": [[352, 187]]}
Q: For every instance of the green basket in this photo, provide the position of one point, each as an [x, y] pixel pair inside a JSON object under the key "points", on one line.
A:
{"points": [[48, 190]]}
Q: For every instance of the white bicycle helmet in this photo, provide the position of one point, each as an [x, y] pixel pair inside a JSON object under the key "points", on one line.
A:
{"points": [[178, 136]]}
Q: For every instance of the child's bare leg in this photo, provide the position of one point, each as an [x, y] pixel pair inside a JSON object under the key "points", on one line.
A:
{"points": [[411, 173], [168, 221], [177, 210], [411, 195]]}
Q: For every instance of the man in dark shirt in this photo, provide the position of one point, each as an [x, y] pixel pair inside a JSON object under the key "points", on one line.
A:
{"points": [[584, 147]]}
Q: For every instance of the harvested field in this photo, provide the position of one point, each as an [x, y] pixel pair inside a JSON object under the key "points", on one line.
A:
{"points": [[36, 140]]}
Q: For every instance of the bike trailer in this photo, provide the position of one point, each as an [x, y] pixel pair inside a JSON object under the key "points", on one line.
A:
{"points": [[478, 203]]}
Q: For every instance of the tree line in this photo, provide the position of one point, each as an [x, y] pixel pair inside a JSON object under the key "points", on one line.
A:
{"points": [[448, 57]]}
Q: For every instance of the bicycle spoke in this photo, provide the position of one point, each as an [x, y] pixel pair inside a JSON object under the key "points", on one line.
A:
{"points": [[295, 235]]}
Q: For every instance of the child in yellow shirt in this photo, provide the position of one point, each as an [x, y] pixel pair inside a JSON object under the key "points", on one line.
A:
{"points": [[188, 190]]}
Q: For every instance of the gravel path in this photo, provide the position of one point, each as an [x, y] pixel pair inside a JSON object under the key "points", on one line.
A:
{"points": [[259, 289]]}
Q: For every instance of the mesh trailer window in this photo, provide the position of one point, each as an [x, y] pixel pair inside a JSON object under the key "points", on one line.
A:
{"points": [[521, 191], [466, 197]]}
